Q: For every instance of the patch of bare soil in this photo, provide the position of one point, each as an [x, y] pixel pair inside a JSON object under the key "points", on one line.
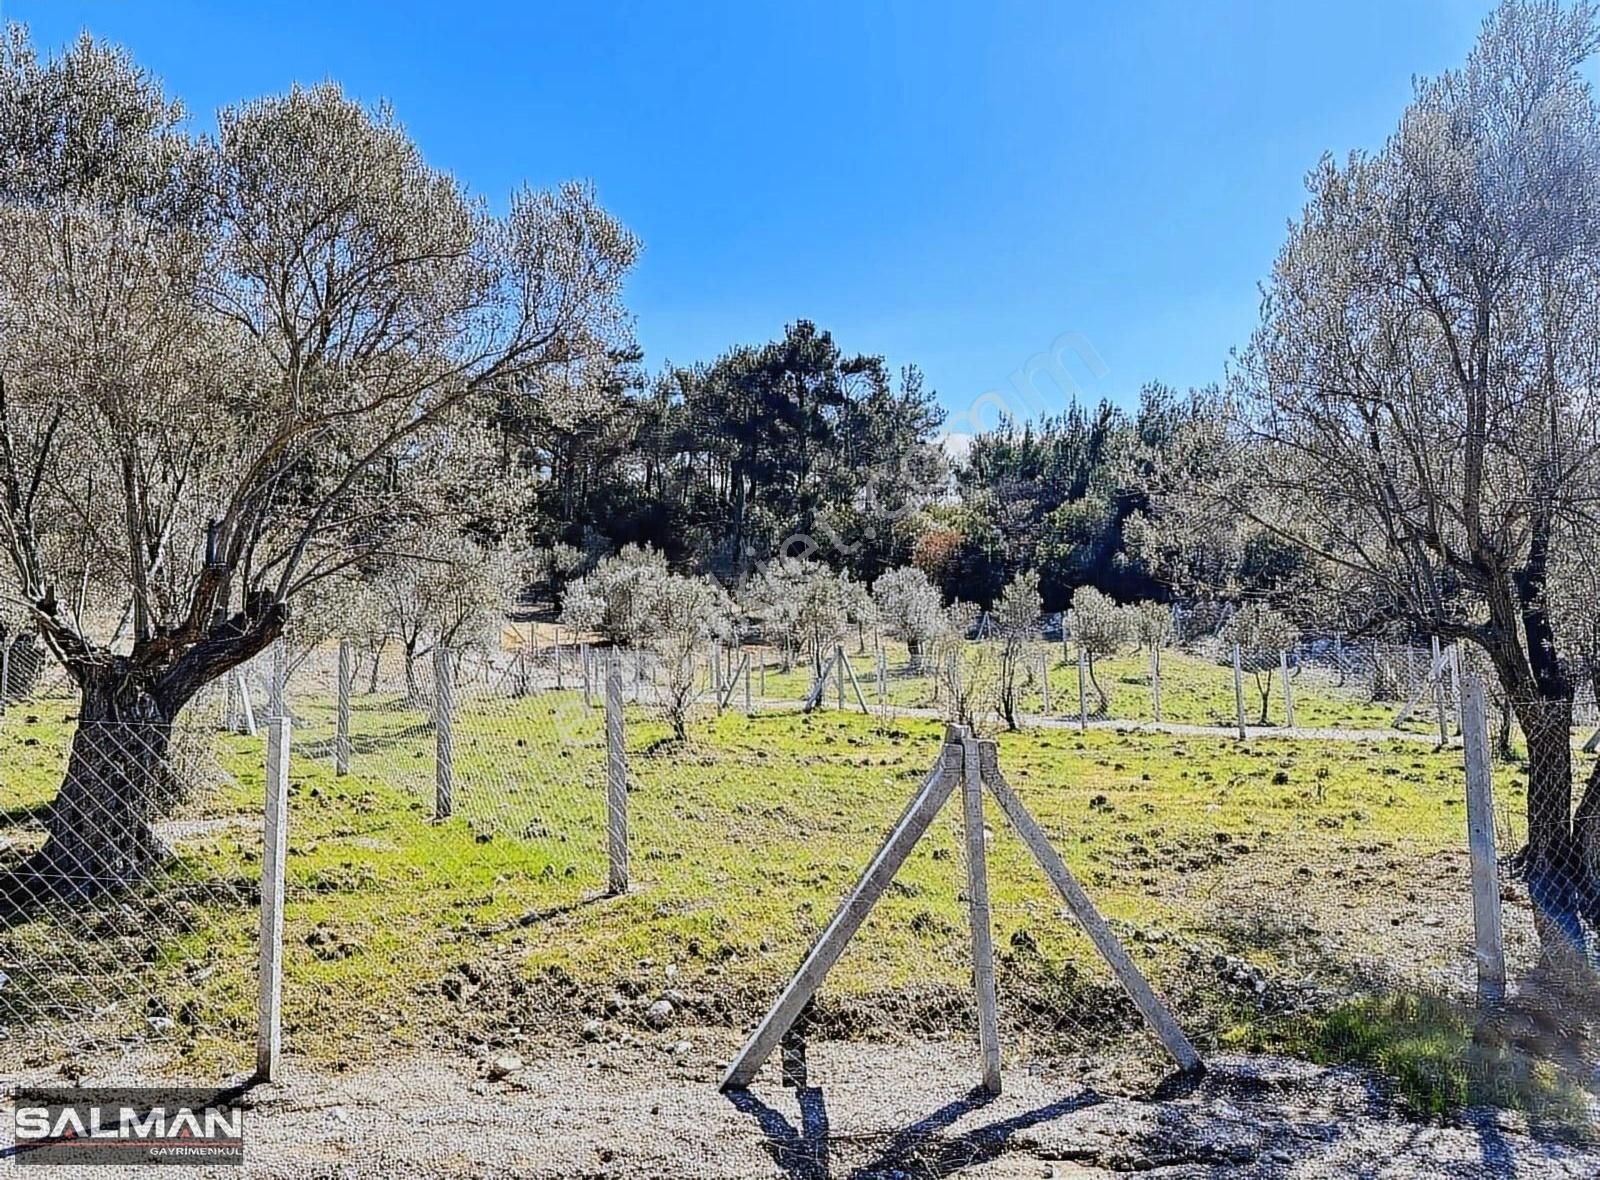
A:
{"points": [[859, 1112]]}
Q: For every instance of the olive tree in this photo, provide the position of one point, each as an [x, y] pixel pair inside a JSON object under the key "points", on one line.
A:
{"points": [[227, 366], [1100, 627], [910, 609], [1261, 635], [686, 614], [777, 594], [1151, 624], [1423, 394], [617, 598], [454, 596], [1016, 619]]}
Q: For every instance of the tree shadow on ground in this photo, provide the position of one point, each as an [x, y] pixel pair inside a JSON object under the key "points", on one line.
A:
{"points": [[366, 743]]}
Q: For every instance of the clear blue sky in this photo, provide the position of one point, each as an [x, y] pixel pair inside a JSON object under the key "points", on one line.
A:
{"points": [[958, 185]]}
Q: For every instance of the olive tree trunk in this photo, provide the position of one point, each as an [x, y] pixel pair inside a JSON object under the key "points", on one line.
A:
{"points": [[120, 779]]}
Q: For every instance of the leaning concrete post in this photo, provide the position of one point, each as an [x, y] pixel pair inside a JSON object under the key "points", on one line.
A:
{"points": [[1288, 689], [616, 783], [5, 674], [838, 675], [444, 755], [1489, 935], [269, 1003], [341, 736]]}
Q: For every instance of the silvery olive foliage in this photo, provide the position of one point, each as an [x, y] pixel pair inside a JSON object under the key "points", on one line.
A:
{"points": [[1016, 621], [909, 609], [1100, 627], [802, 602], [689, 615], [617, 600], [1151, 624], [1262, 635], [233, 365], [1422, 398]]}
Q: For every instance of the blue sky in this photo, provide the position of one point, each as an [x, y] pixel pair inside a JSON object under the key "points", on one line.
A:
{"points": [[963, 186]]}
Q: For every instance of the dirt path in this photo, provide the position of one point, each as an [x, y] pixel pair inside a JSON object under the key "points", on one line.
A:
{"points": [[867, 1113]]}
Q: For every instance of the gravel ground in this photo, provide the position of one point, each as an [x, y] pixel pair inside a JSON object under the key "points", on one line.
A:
{"points": [[864, 1112]]}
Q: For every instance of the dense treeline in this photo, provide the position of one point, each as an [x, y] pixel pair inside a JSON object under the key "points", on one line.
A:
{"points": [[793, 445], [795, 448]]}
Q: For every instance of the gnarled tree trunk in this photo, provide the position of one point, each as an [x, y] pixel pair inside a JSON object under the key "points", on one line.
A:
{"points": [[119, 780]]}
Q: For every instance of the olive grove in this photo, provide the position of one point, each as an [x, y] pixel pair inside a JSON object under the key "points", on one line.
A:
{"points": [[232, 366]]}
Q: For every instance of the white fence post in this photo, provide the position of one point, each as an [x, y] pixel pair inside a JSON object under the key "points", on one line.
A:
{"points": [[1238, 690], [978, 914], [1288, 690], [5, 672], [444, 756], [341, 737], [1489, 939], [1155, 680], [278, 690], [1439, 694], [1083, 693], [269, 1006], [616, 783], [1044, 682]]}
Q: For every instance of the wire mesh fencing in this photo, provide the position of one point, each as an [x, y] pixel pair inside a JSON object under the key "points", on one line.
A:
{"points": [[128, 887], [632, 858]]}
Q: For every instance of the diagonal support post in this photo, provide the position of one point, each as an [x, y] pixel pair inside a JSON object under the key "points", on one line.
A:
{"points": [[914, 821], [971, 764], [1100, 933]]}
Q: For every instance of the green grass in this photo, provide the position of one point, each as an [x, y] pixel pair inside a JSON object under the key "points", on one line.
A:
{"points": [[404, 932], [1195, 691], [1440, 1057]]}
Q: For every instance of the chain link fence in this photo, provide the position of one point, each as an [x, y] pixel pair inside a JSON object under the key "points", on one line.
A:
{"points": [[456, 821]]}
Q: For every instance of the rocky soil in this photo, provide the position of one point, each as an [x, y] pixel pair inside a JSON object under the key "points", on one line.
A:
{"points": [[859, 1112]]}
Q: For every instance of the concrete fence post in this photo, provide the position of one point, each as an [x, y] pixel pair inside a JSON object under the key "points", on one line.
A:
{"points": [[444, 711], [1489, 934], [1238, 689], [1083, 689], [1439, 704], [1288, 689], [1155, 681], [278, 689], [275, 844], [616, 783], [341, 736]]}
